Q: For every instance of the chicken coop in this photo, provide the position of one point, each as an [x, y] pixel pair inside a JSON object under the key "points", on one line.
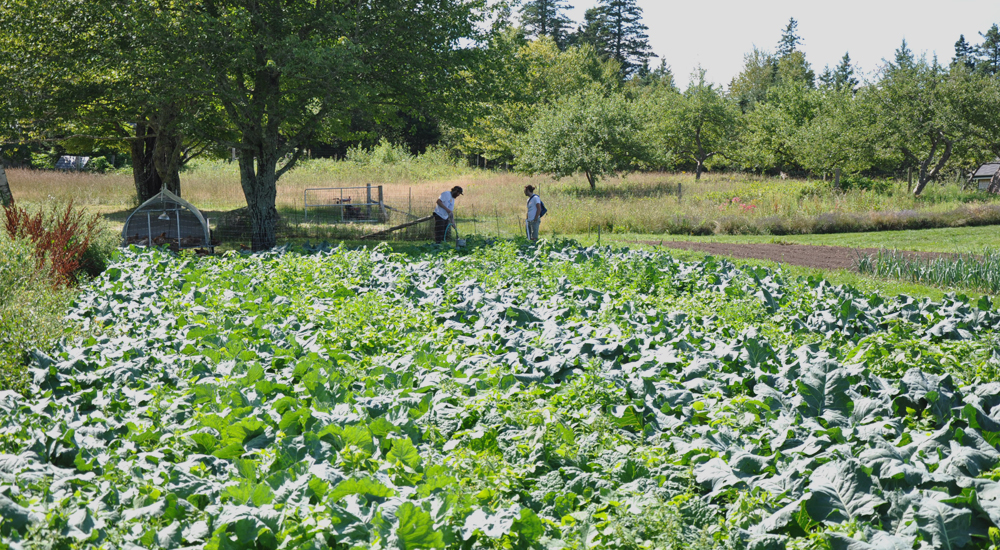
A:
{"points": [[167, 220]]}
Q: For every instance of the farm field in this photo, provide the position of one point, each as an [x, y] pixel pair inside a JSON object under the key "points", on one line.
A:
{"points": [[647, 203], [503, 397]]}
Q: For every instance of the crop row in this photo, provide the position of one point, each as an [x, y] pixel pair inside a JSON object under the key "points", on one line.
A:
{"points": [[549, 397]]}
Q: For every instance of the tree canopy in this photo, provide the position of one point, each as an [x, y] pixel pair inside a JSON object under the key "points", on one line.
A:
{"points": [[590, 132]]}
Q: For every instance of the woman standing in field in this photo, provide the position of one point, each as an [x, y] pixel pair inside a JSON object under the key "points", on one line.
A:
{"points": [[534, 212]]}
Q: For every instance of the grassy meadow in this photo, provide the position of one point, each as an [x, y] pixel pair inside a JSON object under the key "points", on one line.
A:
{"points": [[493, 204]]}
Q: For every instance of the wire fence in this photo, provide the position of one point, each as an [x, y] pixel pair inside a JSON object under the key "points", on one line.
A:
{"points": [[348, 214]]}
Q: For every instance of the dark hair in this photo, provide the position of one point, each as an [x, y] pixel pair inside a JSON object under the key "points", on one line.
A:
{"points": [[456, 189], [529, 188]]}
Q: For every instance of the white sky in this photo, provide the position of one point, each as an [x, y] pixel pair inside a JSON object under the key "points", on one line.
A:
{"points": [[717, 33]]}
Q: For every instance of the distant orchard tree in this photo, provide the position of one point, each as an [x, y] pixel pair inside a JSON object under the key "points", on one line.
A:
{"points": [[528, 76], [920, 113], [834, 138], [590, 132], [750, 87], [697, 125]]}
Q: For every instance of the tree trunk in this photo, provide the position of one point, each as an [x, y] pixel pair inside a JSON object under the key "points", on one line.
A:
{"points": [[591, 180], [925, 176], [260, 189], [168, 147], [156, 154], [147, 179], [6, 197], [994, 186], [697, 170]]}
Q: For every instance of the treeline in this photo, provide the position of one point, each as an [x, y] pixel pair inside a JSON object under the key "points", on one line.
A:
{"points": [[270, 82], [567, 110]]}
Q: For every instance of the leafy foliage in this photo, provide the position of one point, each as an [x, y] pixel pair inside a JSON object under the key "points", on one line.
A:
{"points": [[549, 397], [61, 241], [588, 132]]}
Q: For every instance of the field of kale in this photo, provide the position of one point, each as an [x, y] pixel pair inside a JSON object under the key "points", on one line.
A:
{"points": [[502, 397]]}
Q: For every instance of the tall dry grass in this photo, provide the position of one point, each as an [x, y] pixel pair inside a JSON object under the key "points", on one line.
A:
{"points": [[494, 202]]}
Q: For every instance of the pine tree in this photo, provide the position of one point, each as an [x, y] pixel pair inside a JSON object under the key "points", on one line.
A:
{"points": [[989, 52], [789, 39], [965, 54], [592, 31], [841, 78], [546, 18], [904, 57], [615, 30]]}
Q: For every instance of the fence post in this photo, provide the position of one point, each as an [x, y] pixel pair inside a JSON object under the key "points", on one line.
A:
{"points": [[836, 178], [678, 192], [409, 201], [909, 178], [381, 205], [368, 201]]}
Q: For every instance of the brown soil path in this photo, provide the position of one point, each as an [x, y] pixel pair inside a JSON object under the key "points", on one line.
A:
{"points": [[821, 257]]}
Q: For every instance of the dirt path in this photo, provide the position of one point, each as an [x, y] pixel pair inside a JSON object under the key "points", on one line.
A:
{"points": [[821, 257]]}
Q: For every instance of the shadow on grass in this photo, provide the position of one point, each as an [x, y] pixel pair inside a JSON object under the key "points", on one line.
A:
{"points": [[622, 191]]}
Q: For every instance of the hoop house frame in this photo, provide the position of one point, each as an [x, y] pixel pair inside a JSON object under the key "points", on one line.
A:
{"points": [[167, 219]]}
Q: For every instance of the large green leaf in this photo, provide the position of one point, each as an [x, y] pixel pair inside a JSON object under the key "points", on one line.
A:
{"points": [[842, 491], [416, 528]]}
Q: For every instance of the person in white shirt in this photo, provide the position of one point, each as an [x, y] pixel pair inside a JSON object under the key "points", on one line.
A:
{"points": [[445, 212], [534, 212]]}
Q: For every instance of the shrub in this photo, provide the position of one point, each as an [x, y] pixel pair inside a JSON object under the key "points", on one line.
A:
{"points": [[100, 165], [60, 241], [384, 153], [31, 310]]}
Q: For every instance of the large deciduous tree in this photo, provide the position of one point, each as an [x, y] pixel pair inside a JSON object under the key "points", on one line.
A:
{"points": [[285, 71], [590, 132], [93, 71]]}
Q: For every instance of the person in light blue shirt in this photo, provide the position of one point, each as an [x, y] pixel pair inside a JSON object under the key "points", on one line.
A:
{"points": [[534, 212], [445, 212]]}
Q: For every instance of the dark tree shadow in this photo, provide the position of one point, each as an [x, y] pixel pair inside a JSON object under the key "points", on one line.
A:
{"points": [[622, 191]]}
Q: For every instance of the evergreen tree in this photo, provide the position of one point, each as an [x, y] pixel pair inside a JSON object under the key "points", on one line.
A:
{"points": [[965, 54], [615, 30], [841, 78], [546, 18], [903, 59], [989, 52], [592, 31], [661, 76], [789, 39]]}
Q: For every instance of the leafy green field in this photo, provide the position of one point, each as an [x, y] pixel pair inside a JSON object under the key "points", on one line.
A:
{"points": [[505, 397]]}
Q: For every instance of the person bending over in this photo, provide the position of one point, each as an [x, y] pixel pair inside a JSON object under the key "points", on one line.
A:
{"points": [[445, 212]]}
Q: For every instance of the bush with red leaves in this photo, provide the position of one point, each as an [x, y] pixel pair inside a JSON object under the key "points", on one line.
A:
{"points": [[61, 240]]}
